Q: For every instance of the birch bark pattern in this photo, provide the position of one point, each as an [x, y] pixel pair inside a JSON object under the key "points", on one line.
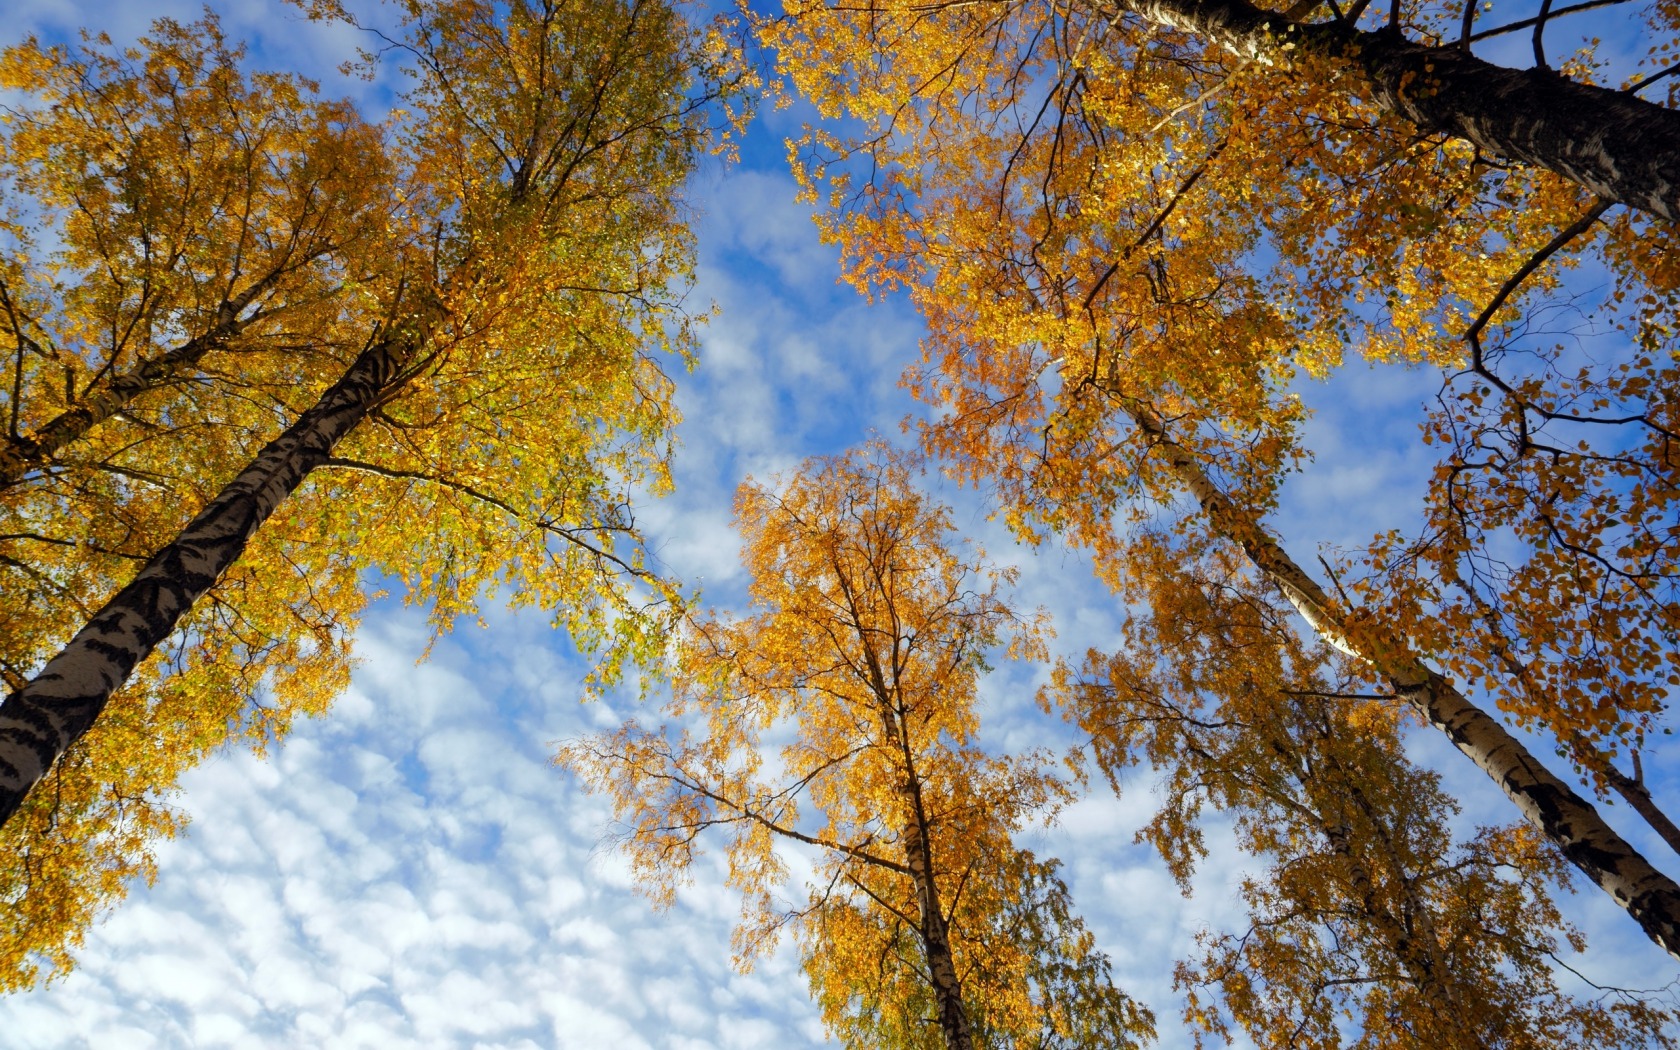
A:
{"points": [[936, 941], [1614, 144], [1570, 821], [918, 847], [39, 722]]}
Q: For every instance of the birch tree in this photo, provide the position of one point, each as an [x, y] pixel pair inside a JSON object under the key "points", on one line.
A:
{"points": [[863, 649], [1613, 143], [173, 222]]}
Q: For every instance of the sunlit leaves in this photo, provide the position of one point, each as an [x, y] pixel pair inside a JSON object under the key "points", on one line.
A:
{"points": [[1095, 209], [177, 229], [1369, 925]]}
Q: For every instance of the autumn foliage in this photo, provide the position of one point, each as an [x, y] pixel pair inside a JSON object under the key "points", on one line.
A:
{"points": [[1370, 923], [231, 304], [173, 227], [1134, 230], [249, 336]]}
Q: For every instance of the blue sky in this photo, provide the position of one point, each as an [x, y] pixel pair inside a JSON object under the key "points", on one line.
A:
{"points": [[410, 871]]}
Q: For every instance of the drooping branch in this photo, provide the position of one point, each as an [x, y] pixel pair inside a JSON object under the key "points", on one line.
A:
{"points": [[673, 772], [1512, 284], [572, 534]]}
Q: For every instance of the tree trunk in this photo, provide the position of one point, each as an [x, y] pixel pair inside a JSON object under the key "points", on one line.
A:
{"points": [[918, 850], [1418, 952], [1636, 794], [936, 941], [1570, 821], [1411, 934], [1617, 146], [39, 722]]}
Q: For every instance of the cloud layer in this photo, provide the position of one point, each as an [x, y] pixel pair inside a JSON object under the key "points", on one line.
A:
{"points": [[410, 871]]}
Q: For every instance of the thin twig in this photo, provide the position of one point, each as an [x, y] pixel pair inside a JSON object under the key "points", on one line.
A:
{"points": [[1203, 97], [550, 527], [1512, 27], [1641, 85], [1534, 262]]}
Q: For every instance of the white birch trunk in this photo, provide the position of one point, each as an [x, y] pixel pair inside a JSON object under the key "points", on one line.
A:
{"points": [[1570, 821], [936, 941]]}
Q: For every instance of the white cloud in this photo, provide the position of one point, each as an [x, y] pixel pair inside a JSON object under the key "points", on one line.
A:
{"points": [[412, 874]]}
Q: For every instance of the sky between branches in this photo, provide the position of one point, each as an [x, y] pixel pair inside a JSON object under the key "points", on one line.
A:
{"points": [[410, 871]]}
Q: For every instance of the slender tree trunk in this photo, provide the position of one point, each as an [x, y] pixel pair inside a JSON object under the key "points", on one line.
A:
{"points": [[918, 850], [1614, 144], [39, 722], [1416, 949], [936, 941], [1637, 795], [1570, 821], [1412, 933]]}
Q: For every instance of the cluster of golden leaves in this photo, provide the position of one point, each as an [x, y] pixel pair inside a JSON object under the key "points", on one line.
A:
{"points": [[156, 197], [1032, 974], [231, 240], [1095, 212]]}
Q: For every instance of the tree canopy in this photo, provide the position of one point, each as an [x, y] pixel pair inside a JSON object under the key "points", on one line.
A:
{"points": [[291, 319], [264, 351], [1134, 229], [1372, 923]]}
